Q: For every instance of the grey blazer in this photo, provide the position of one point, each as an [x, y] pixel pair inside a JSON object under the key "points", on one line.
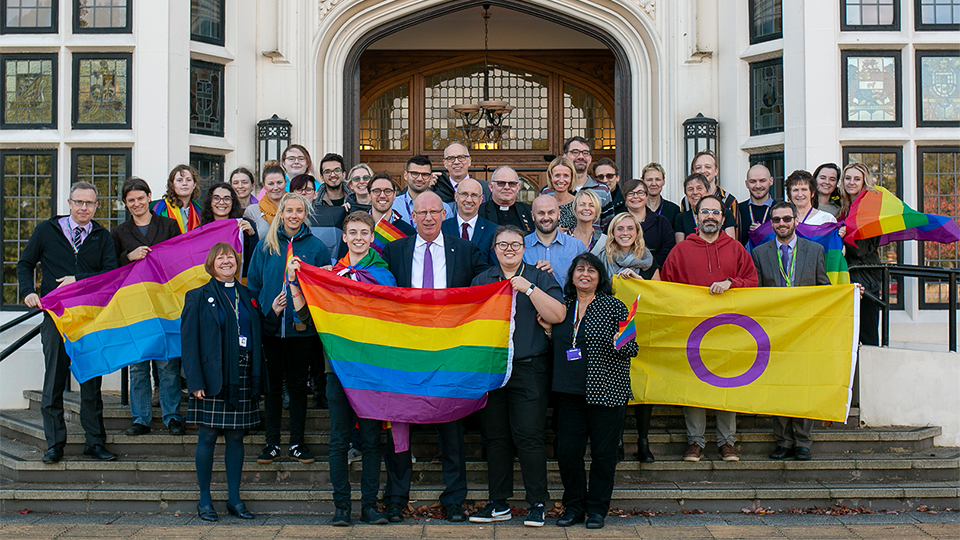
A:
{"points": [[810, 268]]}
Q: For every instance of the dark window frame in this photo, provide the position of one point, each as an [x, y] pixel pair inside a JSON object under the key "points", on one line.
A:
{"points": [[75, 106], [921, 150], [54, 27], [921, 27], [898, 78], [127, 153], [53, 205], [898, 150], [222, 68], [920, 54], [53, 89], [778, 189], [196, 157], [757, 65], [754, 38], [894, 26], [77, 29], [223, 29]]}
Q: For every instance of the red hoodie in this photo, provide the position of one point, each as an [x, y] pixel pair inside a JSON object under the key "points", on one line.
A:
{"points": [[696, 262]]}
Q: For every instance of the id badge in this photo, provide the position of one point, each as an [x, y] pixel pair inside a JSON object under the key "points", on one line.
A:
{"points": [[573, 354], [243, 341]]}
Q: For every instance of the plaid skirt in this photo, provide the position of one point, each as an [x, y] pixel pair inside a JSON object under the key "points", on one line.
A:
{"points": [[212, 411]]}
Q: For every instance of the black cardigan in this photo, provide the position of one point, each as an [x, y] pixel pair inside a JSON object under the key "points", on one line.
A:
{"points": [[127, 237]]}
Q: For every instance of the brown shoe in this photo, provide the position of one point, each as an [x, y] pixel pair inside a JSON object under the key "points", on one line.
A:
{"points": [[693, 453], [727, 453]]}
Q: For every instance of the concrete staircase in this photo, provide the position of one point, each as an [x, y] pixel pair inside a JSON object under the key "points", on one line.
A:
{"points": [[880, 468]]}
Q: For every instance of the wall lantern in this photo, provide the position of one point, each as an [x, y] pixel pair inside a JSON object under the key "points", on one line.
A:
{"points": [[273, 136], [699, 133]]}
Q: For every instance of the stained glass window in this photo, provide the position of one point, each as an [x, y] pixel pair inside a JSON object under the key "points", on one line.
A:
{"points": [[870, 15], [385, 124], [940, 194], [102, 86], [584, 115], [871, 85], [209, 167], [766, 20], [206, 98], [106, 169], [206, 21], [29, 91], [27, 194], [938, 88], [29, 16], [102, 16], [937, 14], [766, 97]]}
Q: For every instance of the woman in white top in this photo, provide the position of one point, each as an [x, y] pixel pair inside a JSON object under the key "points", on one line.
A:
{"points": [[802, 189]]}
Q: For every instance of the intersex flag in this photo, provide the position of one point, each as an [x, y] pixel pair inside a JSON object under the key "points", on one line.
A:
{"points": [[826, 235], [132, 314], [881, 213], [785, 351], [417, 356]]}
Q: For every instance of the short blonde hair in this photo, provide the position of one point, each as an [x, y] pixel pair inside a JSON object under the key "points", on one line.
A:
{"points": [[611, 247], [564, 162], [588, 194]]}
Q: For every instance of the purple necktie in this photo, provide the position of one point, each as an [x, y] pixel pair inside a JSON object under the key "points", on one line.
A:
{"points": [[785, 261], [463, 232], [427, 267]]}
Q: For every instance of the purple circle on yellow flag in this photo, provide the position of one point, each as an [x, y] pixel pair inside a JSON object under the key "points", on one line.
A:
{"points": [[748, 324]]}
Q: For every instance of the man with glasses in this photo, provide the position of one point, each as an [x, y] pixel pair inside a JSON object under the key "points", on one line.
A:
{"points": [[467, 224], [503, 208], [383, 193], [577, 150], [456, 159], [68, 248], [332, 191], [549, 249], [417, 174], [790, 261], [606, 171], [431, 260], [710, 258]]}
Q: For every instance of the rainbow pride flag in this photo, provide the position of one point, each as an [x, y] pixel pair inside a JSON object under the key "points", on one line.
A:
{"points": [[881, 213], [825, 235], [384, 233], [628, 328], [412, 356], [132, 314]]}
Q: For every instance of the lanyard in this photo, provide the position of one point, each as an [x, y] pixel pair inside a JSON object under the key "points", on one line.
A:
{"points": [[236, 307], [804, 220], [762, 219], [407, 202], [788, 278], [576, 321]]}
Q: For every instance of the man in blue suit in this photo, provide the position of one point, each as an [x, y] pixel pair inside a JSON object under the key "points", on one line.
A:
{"points": [[467, 224]]}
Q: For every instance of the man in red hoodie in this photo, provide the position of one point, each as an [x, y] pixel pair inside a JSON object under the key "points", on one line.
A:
{"points": [[714, 260]]}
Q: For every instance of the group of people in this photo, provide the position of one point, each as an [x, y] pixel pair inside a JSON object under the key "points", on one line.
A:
{"points": [[248, 334]]}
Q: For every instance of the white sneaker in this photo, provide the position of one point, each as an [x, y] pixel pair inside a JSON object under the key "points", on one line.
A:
{"points": [[353, 455]]}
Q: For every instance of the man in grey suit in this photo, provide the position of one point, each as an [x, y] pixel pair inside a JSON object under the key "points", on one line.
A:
{"points": [[789, 261]]}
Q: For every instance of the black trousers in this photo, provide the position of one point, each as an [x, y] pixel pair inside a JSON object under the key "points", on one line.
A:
{"points": [[56, 371], [516, 414], [453, 459], [288, 358], [579, 421]]}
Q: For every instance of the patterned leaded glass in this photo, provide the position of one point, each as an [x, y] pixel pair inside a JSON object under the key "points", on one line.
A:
{"points": [[385, 125], [940, 193], [209, 167], [870, 12], [871, 89], [28, 186], [30, 15], [939, 88], [939, 12], [766, 96], [99, 15], [102, 87], [766, 20], [206, 21], [107, 170], [206, 98], [524, 90], [584, 115], [29, 90]]}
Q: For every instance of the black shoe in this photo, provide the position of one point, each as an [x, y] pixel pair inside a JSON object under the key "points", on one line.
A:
{"points": [[782, 453], [455, 513], [341, 518], [801, 454], [569, 519], [240, 511], [207, 513], [643, 451], [395, 512], [99, 452], [302, 454], [270, 454], [595, 521], [373, 516], [137, 429], [175, 427], [53, 455]]}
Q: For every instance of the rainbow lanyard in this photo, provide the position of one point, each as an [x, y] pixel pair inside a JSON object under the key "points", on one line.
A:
{"points": [[762, 219]]}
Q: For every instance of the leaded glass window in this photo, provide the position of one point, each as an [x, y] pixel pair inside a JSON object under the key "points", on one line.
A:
{"points": [[774, 163], [766, 20], [106, 169], [871, 86], [209, 167], [206, 21], [584, 115], [29, 91], [938, 88], [27, 193], [102, 16], [937, 14], [102, 90], [940, 194], [385, 124], [766, 97], [29, 16], [870, 14], [206, 98]]}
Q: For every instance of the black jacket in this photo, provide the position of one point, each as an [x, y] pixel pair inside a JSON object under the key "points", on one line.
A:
{"points": [[446, 191], [464, 260], [127, 237], [519, 213], [50, 247]]}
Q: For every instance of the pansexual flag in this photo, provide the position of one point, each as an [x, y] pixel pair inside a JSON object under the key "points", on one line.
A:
{"points": [[384, 233], [825, 235], [417, 356], [881, 213], [132, 314], [628, 328]]}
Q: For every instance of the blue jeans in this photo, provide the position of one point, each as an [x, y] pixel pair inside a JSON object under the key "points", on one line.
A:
{"points": [[141, 391], [342, 420]]}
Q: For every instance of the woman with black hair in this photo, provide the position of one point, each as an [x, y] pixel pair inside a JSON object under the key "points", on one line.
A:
{"points": [[221, 202]]}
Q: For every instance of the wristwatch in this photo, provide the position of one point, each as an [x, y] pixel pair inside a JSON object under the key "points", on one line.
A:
{"points": [[530, 290]]}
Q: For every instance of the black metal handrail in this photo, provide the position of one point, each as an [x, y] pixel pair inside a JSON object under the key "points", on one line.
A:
{"points": [[950, 275], [15, 346]]}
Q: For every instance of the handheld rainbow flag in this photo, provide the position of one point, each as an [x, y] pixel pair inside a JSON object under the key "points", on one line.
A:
{"points": [[132, 314], [825, 235], [628, 328], [384, 233], [881, 213], [416, 356]]}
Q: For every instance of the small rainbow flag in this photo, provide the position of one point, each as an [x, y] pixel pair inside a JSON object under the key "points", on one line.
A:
{"points": [[384, 233], [825, 235], [416, 356], [132, 314], [628, 328], [881, 213]]}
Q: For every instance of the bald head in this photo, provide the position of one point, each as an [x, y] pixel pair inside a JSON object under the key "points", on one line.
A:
{"points": [[428, 214], [546, 214], [456, 159], [426, 201], [758, 169], [759, 182], [468, 197]]}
